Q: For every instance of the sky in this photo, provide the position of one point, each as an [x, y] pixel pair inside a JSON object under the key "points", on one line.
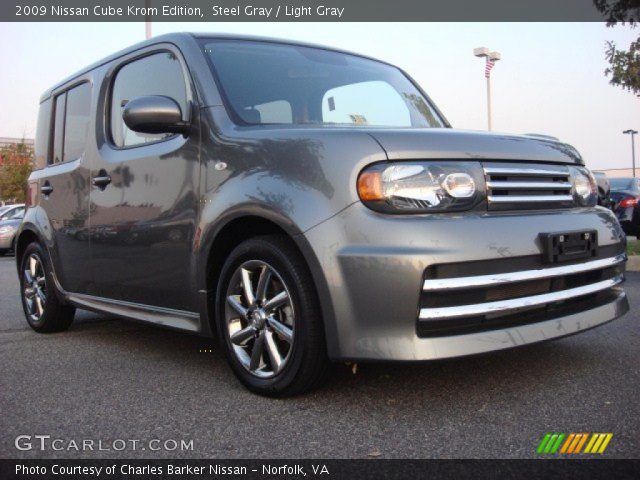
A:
{"points": [[550, 79]]}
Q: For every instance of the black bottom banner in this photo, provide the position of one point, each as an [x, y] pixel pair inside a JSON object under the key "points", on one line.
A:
{"points": [[329, 469]]}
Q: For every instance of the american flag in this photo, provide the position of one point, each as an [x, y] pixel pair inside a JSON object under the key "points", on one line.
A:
{"points": [[488, 67]]}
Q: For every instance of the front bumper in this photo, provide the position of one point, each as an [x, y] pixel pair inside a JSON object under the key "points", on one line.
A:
{"points": [[377, 272]]}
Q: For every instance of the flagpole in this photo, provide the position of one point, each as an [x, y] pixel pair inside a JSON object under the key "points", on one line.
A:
{"points": [[489, 98], [490, 59]]}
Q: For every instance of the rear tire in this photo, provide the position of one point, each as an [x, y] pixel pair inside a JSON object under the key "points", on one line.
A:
{"points": [[279, 344], [3, 252], [44, 311]]}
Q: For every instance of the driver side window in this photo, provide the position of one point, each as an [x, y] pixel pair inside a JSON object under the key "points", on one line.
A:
{"points": [[156, 74]]}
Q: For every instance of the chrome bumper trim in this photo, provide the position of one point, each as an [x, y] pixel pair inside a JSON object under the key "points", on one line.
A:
{"points": [[443, 284], [503, 306]]}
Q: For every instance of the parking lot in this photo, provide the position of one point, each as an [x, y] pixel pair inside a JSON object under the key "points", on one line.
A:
{"points": [[107, 379]]}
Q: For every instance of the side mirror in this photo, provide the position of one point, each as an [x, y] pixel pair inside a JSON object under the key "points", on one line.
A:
{"points": [[154, 114]]}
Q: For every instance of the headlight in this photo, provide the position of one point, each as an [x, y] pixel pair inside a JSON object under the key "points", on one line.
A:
{"points": [[585, 188], [7, 229], [422, 187]]}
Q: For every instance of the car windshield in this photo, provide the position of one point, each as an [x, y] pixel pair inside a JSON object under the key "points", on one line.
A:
{"points": [[271, 83], [621, 183], [7, 213]]}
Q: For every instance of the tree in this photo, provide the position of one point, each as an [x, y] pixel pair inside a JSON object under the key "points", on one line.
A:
{"points": [[624, 69], [16, 163]]}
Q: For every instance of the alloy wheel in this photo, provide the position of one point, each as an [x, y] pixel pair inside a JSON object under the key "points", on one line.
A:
{"points": [[260, 318], [34, 287]]}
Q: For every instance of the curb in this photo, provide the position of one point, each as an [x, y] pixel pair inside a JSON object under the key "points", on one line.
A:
{"points": [[633, 264]]}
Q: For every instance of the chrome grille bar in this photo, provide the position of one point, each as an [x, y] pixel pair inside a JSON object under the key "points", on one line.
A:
{"points": [[503, 306], [528, 198], [447, 284], [527, 171], [513, 186], [529, 185]]}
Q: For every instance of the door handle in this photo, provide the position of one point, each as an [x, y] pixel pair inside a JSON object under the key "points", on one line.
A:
{"points": [[101, 180], [46, 189]]}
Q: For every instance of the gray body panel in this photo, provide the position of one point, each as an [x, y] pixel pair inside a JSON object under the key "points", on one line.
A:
{"points": [[367, 266]]}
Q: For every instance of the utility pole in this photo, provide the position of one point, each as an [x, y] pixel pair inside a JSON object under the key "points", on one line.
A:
{"points": [[633, 133], [490, 59]]}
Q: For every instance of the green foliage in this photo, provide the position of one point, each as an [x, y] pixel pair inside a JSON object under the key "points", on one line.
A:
{"points": [[624, 65], [624, 69], [16, 163]]}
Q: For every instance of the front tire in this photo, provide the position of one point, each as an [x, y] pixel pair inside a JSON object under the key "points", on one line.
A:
{"points": [[43, 309], [268, 318]]}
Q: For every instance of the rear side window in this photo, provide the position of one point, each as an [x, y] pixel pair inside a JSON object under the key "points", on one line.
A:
{"points": [[42, 134], [76, 124], [353, 104], [278, 111], [71, 124], [58, 128], [157, 74]]}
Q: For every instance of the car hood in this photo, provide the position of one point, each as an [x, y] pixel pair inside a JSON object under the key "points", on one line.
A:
{"points": [[446, 143]]}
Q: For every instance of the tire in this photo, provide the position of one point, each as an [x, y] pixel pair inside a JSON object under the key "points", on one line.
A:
{"points": [[293, 329], [45, 314], [3, 252]]}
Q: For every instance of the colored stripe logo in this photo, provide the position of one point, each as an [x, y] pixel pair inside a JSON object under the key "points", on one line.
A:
{"points": [[574, 443]]}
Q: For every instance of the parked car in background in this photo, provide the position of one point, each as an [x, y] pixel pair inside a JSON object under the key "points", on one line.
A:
{"points": [[625, 194], [604, 189], [8, 230], [9, 211]]}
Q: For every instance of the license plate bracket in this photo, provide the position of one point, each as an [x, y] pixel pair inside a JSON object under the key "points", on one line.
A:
{"points": [[558, 247]]}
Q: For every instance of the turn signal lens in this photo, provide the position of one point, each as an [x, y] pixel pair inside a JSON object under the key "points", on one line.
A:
{"points": [[370, 186], [421, 187]]}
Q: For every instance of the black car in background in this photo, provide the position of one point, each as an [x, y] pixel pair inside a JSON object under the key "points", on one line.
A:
{"points": [[625, 193], [604, 189]]}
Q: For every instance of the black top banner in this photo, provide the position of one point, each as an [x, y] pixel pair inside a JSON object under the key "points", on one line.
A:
{"points": [[307, 10]]}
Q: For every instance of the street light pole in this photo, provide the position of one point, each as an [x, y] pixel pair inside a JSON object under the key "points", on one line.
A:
{"points": [[489, 103], [490, 59], [147, 23], [633, 149]]}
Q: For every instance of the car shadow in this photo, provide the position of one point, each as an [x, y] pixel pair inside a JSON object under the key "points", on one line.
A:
{"points": [[520, 372]]}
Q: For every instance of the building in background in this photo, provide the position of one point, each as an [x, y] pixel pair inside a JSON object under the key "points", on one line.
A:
{"points": [[617, 172], [6, 141]]}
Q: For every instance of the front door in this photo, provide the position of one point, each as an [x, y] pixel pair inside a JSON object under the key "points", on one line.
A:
{"points": [[144, 198]]}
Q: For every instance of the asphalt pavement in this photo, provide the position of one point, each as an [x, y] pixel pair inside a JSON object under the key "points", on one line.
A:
{"points": [[108, 379]]}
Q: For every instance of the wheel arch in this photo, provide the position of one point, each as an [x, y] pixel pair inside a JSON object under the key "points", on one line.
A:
{"points": [[248, 225], [26, 236]]}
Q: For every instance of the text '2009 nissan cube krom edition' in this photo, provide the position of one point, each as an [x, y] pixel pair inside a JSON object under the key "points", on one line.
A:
{"points": [[304, 205]]}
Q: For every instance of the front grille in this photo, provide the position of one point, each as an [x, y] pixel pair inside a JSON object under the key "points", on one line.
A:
{"points": [[462, 304], [517, 187]]}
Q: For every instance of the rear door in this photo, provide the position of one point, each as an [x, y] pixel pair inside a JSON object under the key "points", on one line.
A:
{"points": [[64, 180], [143, 219]]}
